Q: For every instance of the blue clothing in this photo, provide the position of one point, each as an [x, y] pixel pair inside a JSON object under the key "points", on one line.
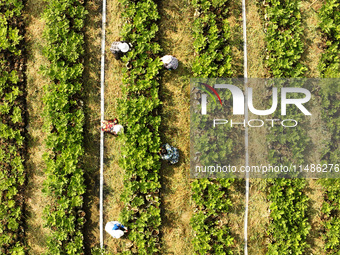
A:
{"points": [[117, 226], [172, 154]]}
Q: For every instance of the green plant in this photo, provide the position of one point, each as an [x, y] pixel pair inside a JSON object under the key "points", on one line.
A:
{"points": [[329, 66], [289, 227], [12, 132], [138, 111], [64, 120], [213, 59]]}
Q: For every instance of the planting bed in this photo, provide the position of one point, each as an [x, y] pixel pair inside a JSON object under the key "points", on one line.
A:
{"points": [[49, 138], [12, 128]]}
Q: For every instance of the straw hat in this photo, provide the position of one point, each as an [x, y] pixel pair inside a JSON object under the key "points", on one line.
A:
{"points": [[124, 47], [166, 59]]}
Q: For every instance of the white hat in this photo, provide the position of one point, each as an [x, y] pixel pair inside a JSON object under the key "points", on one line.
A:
{"points": [[166, 59], [118, 129], [124, 47]]}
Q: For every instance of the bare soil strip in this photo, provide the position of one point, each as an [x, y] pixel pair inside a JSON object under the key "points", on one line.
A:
{"points": [[91, 100], [314, 48], [176, 39], [258, 204], [113, 174], [36, 201]]}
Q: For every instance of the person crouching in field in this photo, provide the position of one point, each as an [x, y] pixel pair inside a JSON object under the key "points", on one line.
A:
{"points": [[170, 62], [119, 49], [169, 153], [112, 127], [115, 229]]}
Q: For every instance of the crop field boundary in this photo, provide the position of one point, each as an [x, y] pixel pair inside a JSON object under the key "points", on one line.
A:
{"points": [[245, 63], [102, 98]]}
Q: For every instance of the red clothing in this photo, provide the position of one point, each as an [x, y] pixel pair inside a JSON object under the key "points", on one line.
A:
{"points": [[108, 127]]}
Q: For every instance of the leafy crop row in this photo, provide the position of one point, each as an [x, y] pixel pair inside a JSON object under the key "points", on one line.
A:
{"points": [[284, 31], [212, 234], [12, 128], [213, 59], [138, 110], [330, 26], [64, 120], [212, 36], [289, 225], [330, 68]]}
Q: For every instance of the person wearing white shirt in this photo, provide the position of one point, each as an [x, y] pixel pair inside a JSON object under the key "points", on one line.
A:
{"points": [[118, 129], [112, 127], [115, 229]]}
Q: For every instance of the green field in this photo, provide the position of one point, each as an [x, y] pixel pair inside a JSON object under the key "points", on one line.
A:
{"points": [[285, 39]]}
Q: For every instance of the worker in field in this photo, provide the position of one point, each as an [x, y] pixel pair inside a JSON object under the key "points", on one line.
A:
{"points": [[120, 48], [112, 127], [170, 62], [115, 229], [169, 153]]}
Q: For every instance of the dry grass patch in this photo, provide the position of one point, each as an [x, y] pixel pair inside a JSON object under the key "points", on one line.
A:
{"points": [[312, 37], [315, 192], [176, 39], [113, 174], [35, 232], [91, 98], [256, 42]]}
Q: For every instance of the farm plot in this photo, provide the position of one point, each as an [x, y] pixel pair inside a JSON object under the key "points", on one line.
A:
{"points": [[305, 55], [12, 128], [154, 200], [137, 110], [329, 68], [64, 120], [212, 199], [288, 199]]}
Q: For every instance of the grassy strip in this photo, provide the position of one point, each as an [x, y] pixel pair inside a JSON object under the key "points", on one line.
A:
{"points": [[138, 111], [289, 223], [12, 128], [213, 59], [330, 68], [64, 120]]}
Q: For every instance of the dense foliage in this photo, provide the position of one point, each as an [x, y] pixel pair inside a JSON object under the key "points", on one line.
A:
{"points": [[330, 208], [284, 30], [64, 119], [329, 15], [330, 68], [212, 37], [12, 128], [138, 111], [289, 225], [213, 59], [212, 234]]}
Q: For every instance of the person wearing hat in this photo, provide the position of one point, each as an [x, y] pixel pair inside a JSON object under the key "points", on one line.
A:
{"points": [[112, 127], [115, 229], [119, 49], [170, 62]]}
